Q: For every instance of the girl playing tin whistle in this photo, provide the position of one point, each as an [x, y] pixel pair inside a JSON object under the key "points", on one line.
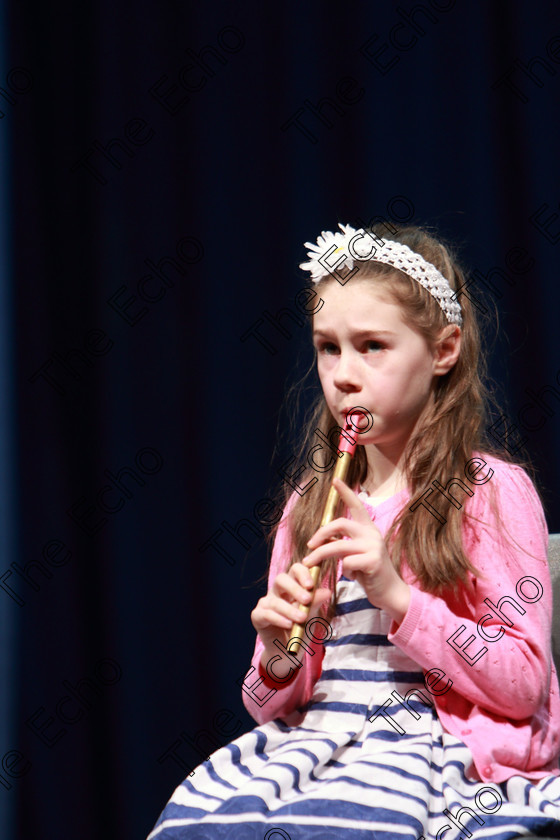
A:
{"points": [[423, 711]]}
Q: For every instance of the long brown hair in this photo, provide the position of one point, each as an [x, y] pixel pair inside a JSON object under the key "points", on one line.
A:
{"points": [[450, 429]]}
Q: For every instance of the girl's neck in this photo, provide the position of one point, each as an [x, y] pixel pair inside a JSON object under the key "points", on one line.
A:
{"points": [[385, 475], [382, 491]]}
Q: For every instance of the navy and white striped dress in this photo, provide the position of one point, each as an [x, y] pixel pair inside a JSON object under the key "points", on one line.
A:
{"points": [[334, 774]]}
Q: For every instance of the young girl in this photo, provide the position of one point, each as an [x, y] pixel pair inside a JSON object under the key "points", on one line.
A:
{"points": [[423, 701]]}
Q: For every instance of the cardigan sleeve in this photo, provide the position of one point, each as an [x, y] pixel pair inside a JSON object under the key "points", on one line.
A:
{"points": [[263, 698], [494, 644]]}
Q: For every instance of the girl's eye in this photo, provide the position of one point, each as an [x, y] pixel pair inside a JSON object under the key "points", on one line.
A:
{"points": [[373, 345], [327, 348]]}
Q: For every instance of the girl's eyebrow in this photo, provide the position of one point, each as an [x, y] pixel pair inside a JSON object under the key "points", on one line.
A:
{"points": [[357, 333]]}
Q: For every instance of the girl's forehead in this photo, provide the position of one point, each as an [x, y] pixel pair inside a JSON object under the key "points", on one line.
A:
{"points": [[359, 303], [357, 288]]}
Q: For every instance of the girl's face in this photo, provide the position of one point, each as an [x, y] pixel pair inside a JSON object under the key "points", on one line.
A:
{"points": [[368, 356]]}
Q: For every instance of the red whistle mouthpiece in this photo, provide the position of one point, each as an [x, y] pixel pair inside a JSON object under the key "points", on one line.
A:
{"points": [[349, 436]]}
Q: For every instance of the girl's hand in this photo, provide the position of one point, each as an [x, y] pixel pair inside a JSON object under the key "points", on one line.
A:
{"points": [[364, 553], [275, 613]]}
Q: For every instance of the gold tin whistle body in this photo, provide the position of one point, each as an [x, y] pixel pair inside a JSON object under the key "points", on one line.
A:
{"points": [[329, 513]]}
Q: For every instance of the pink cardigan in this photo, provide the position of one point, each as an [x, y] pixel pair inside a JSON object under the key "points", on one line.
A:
{"points": [[504, 702]]}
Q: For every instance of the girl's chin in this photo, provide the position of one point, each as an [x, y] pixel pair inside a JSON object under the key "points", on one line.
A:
{"points": [[378, 437], [370, 439]]}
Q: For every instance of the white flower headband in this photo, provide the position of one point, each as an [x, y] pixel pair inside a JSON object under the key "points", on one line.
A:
{"points": [[359, 245]]}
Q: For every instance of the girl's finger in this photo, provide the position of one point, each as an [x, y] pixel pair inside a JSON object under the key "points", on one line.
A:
{"points": [[275, 620], [355, 505], [336, 548], [302, 575], [286, 585], [320, 596], [360, 563], [267, 618], [340, 527], [291, 612]]}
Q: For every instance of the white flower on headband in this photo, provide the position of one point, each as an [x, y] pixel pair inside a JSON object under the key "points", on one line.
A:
{"points": [[334, 250], [331, 246]]}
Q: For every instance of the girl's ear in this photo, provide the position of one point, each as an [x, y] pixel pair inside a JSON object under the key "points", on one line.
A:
{"points": [[447, 349]]}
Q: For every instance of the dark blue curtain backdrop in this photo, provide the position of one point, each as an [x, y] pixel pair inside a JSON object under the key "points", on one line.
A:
{"points": [[167, 161], [8, 506]]}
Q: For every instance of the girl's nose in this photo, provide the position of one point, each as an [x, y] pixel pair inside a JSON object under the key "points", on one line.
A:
{"points": [[346, 376]]}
